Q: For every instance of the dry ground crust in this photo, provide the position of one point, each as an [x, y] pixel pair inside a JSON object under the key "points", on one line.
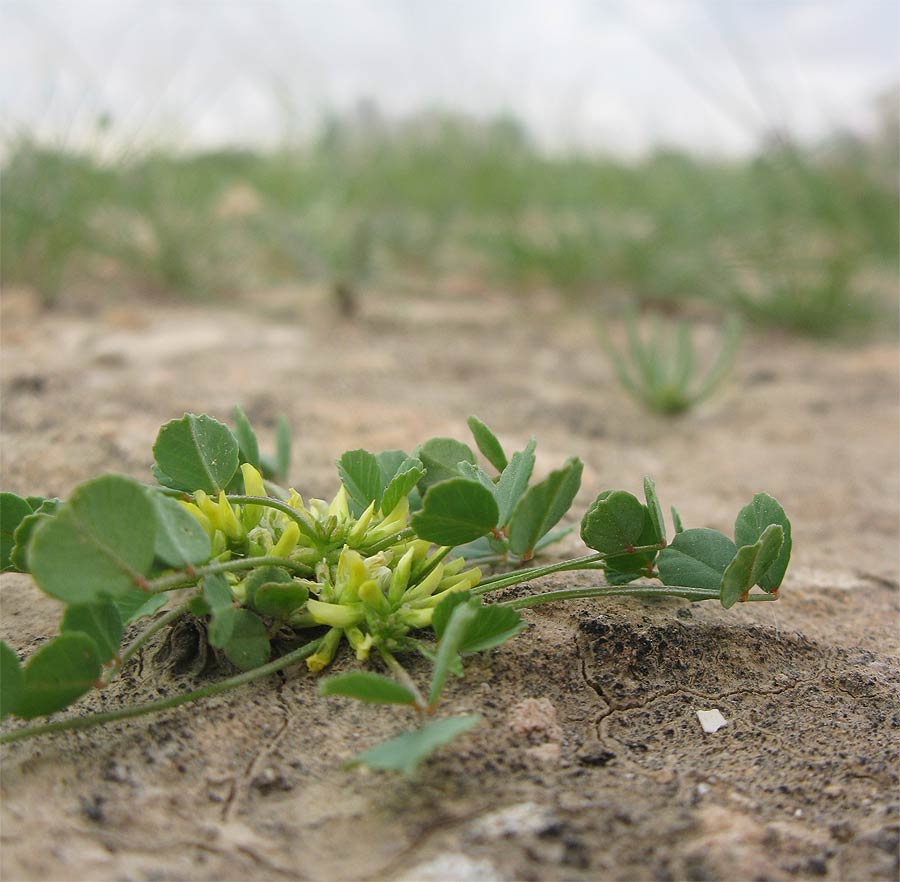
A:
{"points": [[590, 762]]}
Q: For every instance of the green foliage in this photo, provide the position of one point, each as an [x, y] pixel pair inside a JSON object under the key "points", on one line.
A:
{"points": [[100, 544], [367, 687], [752, 522], [241, 635], [102, 622], [542, 506], [405, 752], [487, 443], [13, 510], [697, 558], [180, 539], [12, 682], [364, 569], [58, 673], [456, 511], [661, 371], [196, 453]]}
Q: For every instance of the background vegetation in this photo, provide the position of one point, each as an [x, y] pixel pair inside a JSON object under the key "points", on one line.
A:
{"points": [[804, 239]]}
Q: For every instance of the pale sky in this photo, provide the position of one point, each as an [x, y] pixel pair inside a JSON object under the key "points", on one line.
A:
{"points": [[622, 75]]}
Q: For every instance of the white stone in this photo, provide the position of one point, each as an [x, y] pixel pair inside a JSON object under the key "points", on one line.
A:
{"points": [[711, 720], [521, 819], [458, 867]]}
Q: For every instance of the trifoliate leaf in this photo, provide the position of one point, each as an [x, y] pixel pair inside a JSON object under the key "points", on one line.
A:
{"points": [[697, 558], [751, 523], [406, 751], [99, 545], [487, 443], [58, 673], [13, 510], [361, 477], [454, 512], [197, 453], [241, 635], [750, 565], [613, 523], [279, 599], [408, 473], [248, 445], [180, 540], [102, 622], [12, 681], [542, 506], [440, 457], [514, 480], [368, 687]]}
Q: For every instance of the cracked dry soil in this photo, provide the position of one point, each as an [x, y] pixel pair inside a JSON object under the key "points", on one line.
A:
{"points": [[590, 762]]}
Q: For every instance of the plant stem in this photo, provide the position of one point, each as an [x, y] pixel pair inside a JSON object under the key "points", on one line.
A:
{"points": [[406, 533], [588, 562], [403, 676], [163, 703], [185, 577], [141, 640], [283, 507], [622, 591]]}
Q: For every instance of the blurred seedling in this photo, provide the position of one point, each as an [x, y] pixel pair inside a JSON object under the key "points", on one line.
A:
{"points": [[381, 568], [661, 370]]}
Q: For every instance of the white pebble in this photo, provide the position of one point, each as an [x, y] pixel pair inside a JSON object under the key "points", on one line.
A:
{"points": [[711, 720]]}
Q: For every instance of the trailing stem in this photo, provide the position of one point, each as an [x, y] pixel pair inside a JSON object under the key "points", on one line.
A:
{"points": [[152, 707]]}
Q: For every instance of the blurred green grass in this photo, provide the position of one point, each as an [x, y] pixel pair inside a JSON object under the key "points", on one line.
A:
{"points": [[804, 240]]}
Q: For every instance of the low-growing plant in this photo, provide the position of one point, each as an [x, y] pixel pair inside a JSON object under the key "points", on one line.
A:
{"points": [[661, 371], [384, 567]]}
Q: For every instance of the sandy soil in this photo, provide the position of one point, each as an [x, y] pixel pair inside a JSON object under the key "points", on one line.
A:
{"points": [[591, 763]]}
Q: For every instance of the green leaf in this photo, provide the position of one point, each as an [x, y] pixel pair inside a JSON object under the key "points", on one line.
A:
{"points": [[514, 481], [368, 687], [283, 445], [197, 453], [180, 540], [216, 591], [241, 635], [697, 558], [487, 443], [248, 446], [443, 611], [654, 509], [100, 544], [448, 649], [136, 604], [542, 506], [614, 522], [406, 751], [58, 673], [476, 473], [441, 456], [102, 622], [455, 512], [491, 626], [389, 462], [13, 510], [408, 473], [752, 521], [617, 566], [750, 565], [163, 479], [279, 599], [262, 576], [361, 477], [676, 520], [19, 555], [12, 681]]}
